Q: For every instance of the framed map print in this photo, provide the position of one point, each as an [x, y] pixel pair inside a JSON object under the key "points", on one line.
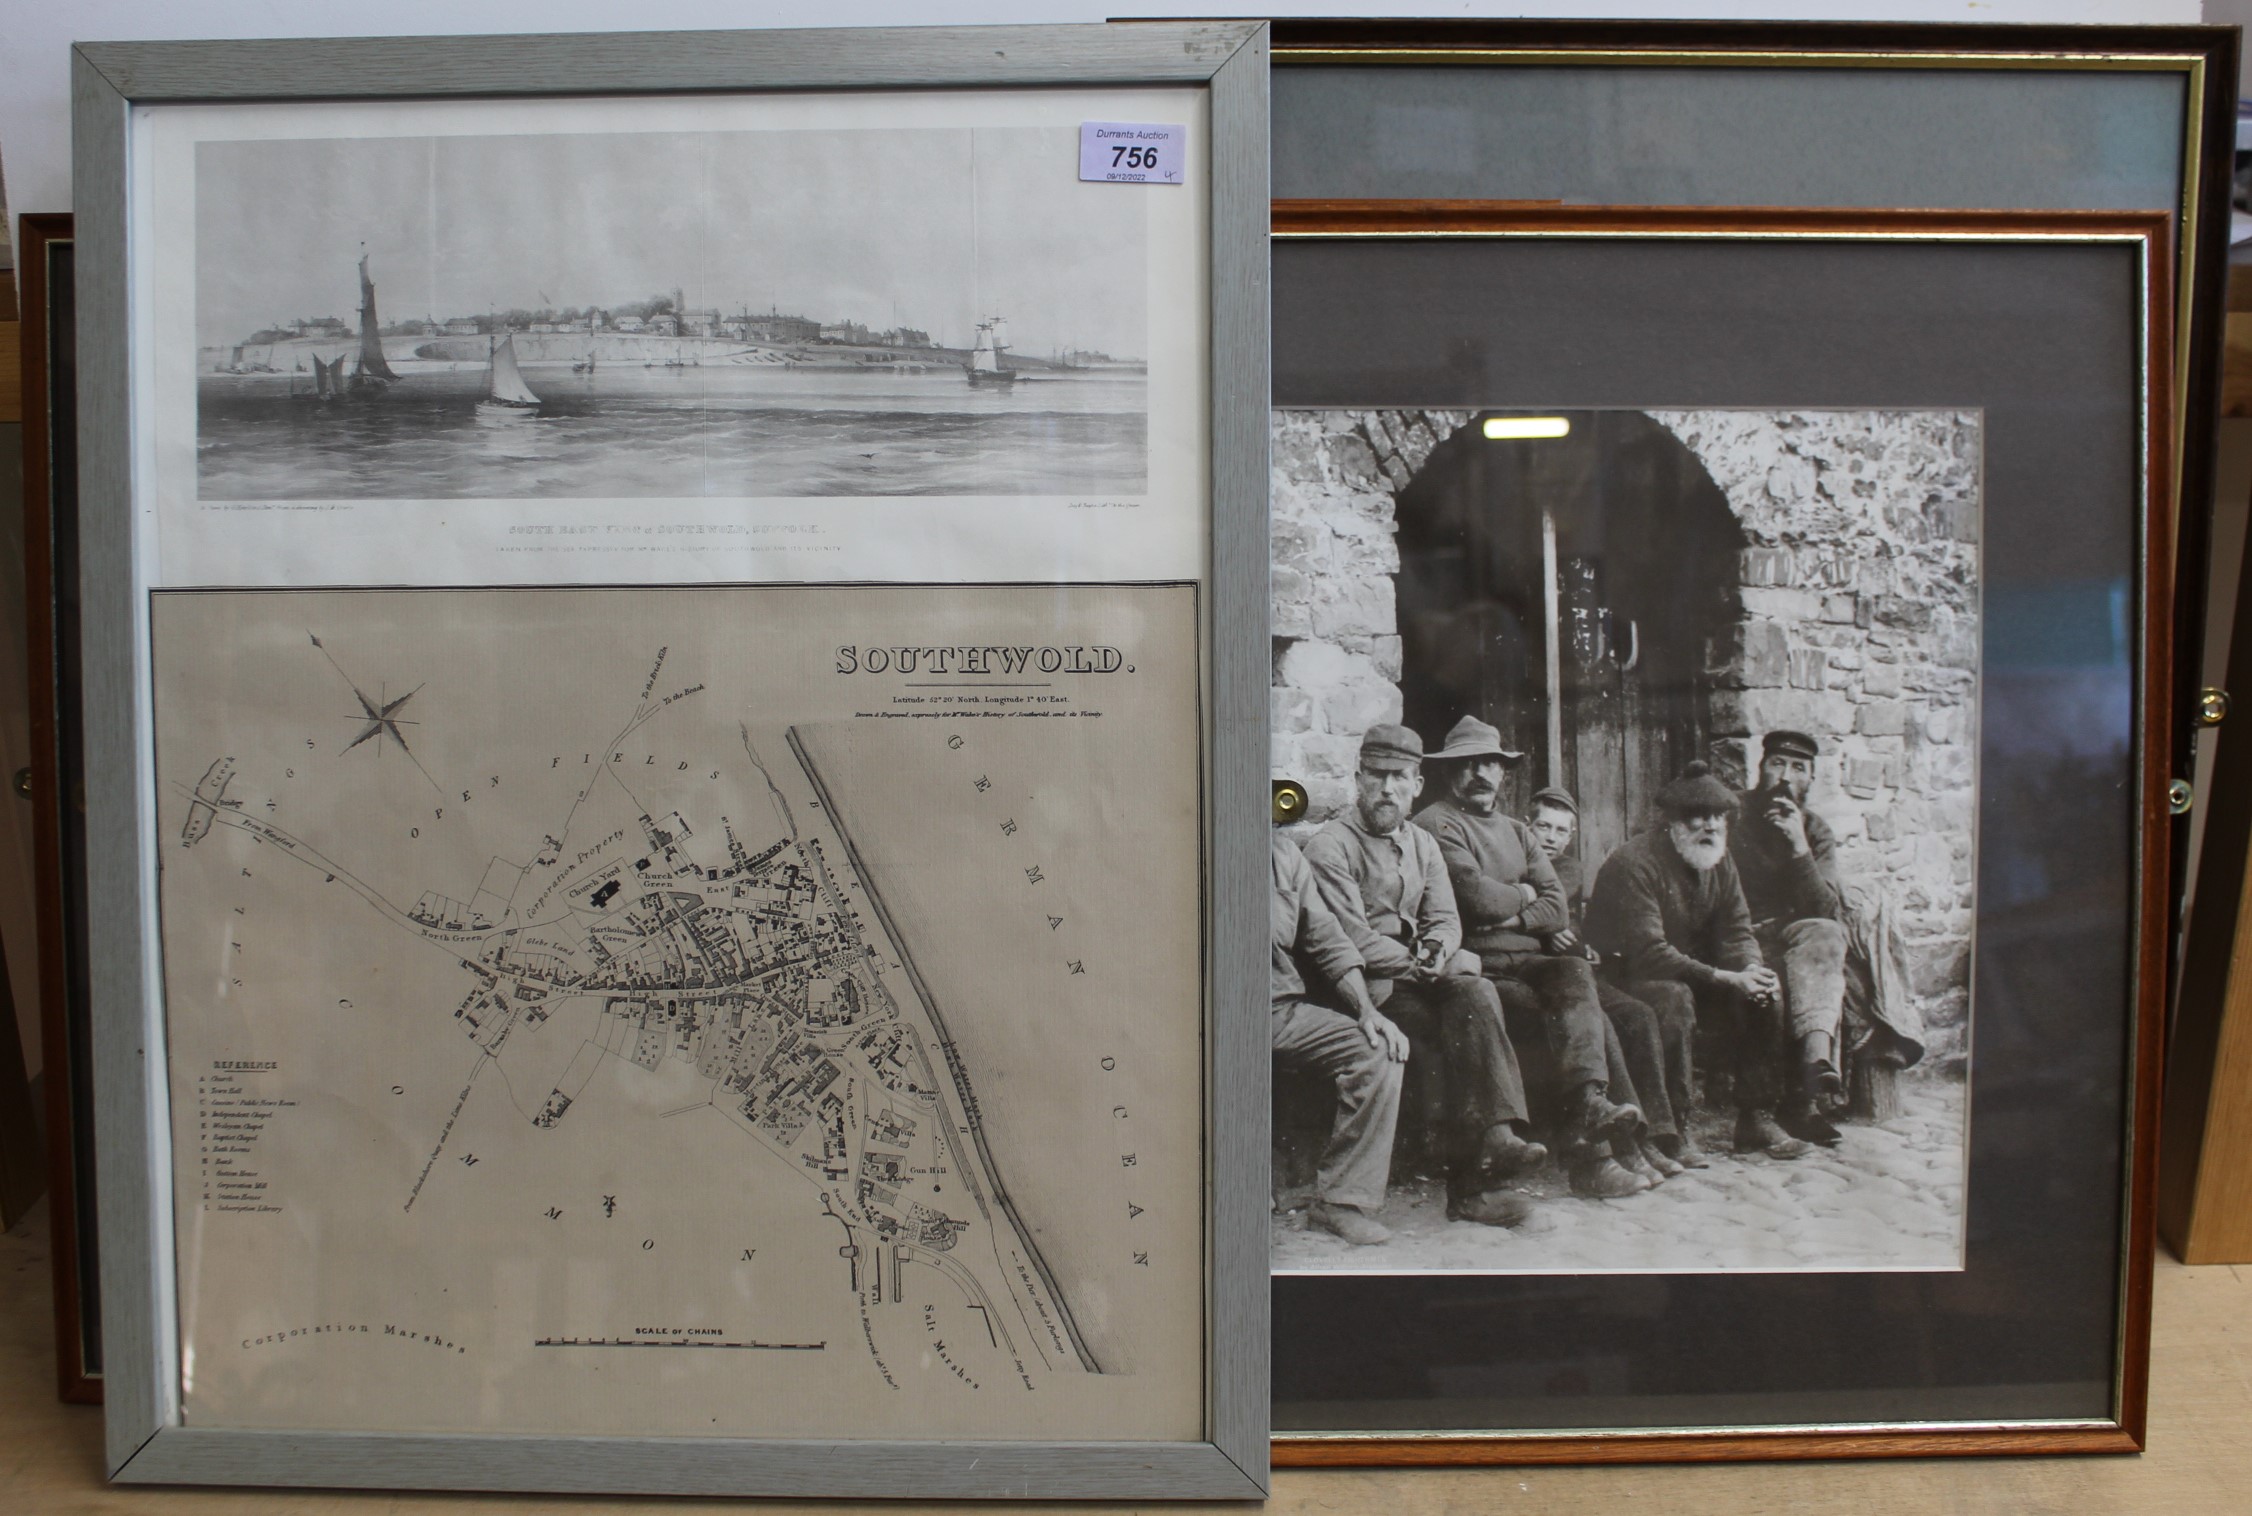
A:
{"points": [[651, 635]]}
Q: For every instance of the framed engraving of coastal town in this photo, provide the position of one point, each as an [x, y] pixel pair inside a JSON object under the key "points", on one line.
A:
{"points": [[1726, 656], [664, 883]]}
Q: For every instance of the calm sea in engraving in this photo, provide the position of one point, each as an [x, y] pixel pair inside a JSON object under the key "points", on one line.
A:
{"points": [[657, 432]]}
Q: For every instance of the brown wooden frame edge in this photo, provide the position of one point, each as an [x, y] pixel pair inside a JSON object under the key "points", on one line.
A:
{"points": [[74, 1383], [1693, 1447], [1658, 36], [2153, 848]]}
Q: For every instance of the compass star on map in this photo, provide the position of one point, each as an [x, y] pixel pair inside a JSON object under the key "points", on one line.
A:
{"points": [[381, 714], [383, 721]]}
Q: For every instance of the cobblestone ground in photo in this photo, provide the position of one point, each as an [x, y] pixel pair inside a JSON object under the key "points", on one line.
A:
{"points": [[1889, 1195]]}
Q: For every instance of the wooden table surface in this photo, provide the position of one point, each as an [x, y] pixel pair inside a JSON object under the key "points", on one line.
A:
{"points": [[2200, 1438]]}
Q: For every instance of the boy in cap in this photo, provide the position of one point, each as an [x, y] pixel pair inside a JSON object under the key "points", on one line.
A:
{"points": [[1653, 1047], [1386, 883], [1668, 916], [1510, 902]]}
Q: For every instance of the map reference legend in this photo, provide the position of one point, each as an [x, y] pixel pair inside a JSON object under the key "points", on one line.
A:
{"points": [[233, 1119]]}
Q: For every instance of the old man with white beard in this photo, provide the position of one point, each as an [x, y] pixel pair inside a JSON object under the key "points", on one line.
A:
{"points": [[1669, 919]]}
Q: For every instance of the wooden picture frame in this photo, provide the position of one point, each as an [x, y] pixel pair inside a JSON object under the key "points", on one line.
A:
{"points": [[50, 571], [1377, 373], [1946, 57], [147, 1440]]}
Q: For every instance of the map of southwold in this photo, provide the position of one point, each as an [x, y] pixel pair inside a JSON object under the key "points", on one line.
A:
{"points": [[767, 1011]]}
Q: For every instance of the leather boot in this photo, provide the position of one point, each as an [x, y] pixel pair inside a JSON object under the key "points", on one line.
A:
{"points": [[1356, 1227], [1684, 1151], [1805, 1121], [1503, 1154], [1825, 1091], [1491, 1208], [1604, 1179], [1627, 1153], [1594, 1120], [1757, 1132], [1655, 1156]]}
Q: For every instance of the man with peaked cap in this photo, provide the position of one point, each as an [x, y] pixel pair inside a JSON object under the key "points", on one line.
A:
{"points": [[1669, 919], [1821, 941], [1510, 901], [1785, 858], [1362, 1054], [1386, 883], [1652, 1065]]}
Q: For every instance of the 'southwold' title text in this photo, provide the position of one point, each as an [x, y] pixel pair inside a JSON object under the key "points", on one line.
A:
{"points": [[981, 660]]}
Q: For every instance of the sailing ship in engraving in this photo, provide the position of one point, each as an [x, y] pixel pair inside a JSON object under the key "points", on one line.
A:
{"points": [[506, 393], [985, 354], [370, 374]]}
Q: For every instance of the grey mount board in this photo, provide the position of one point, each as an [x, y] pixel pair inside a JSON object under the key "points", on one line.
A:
{"points": [[1596, 134], [145, 1441]]}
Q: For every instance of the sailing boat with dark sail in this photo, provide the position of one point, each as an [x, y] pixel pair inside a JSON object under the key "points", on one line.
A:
{"points": [[506, 391], [370, 373]]}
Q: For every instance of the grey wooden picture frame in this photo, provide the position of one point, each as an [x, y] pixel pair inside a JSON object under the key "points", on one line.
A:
{"points": [[146, 1440]]}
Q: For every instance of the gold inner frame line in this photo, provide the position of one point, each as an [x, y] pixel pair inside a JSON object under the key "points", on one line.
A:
{"points": [[1285, 53], [2128, 1146]]}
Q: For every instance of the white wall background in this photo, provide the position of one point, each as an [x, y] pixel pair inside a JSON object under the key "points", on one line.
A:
{"points": [[35, 35]]}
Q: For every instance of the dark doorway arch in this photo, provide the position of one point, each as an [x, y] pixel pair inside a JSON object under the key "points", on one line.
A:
{"points": [[1601, 680]]}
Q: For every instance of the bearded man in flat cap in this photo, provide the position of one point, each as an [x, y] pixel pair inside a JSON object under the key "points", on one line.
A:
{"points": [[1510, 901], [1668, 917], [1836, 958], [1386, 882]]}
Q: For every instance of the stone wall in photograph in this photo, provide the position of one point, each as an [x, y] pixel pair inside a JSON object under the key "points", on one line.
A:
{"points": [[1859, 593], [1336, 622], [1855, 618]]}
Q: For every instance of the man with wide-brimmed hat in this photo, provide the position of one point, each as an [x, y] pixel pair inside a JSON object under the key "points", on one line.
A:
{"points": [[1653, 1066], [1668, 917], [1386, 882], [1826, 945], [1360, 1054], [1510, 901]]}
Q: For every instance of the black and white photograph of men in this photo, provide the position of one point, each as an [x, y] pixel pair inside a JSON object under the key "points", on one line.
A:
{"points": [[1641, 755]]}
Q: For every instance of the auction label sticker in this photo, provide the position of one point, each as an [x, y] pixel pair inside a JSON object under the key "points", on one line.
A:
{"points": [[1131, 152]]}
